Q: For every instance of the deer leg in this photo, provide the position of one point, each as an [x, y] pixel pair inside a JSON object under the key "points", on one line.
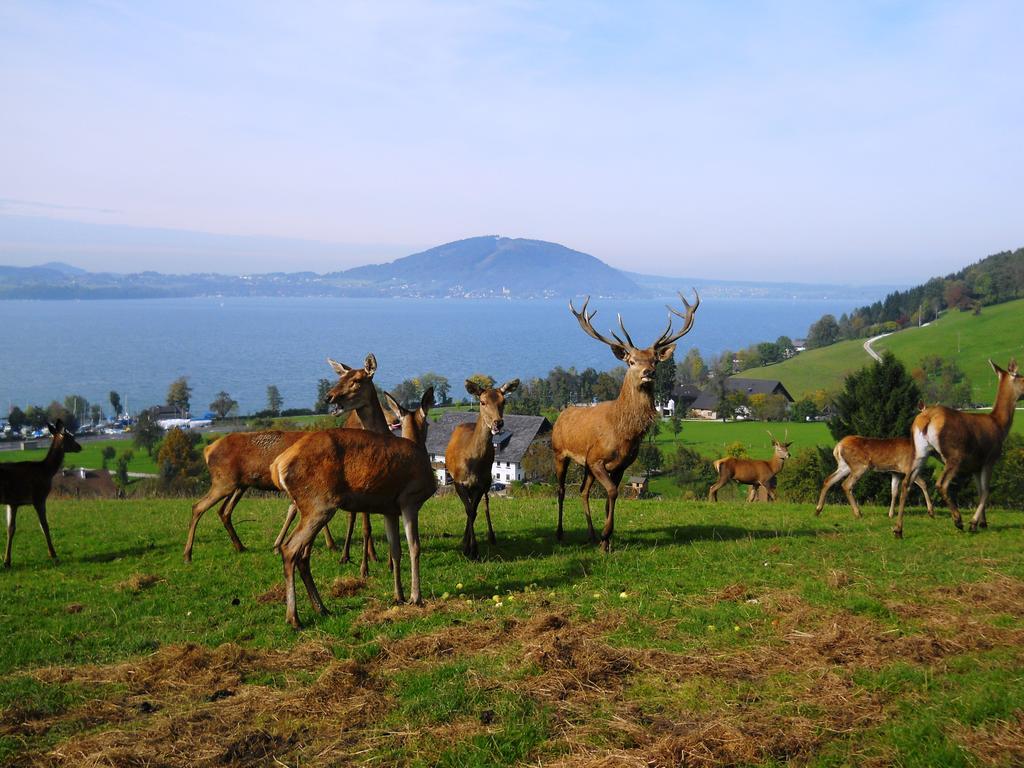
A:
{"points": [[368, 544], [291, 552], [894, 488], [928, 499], [983, 477], [395, 544], [842, 471], [346, 548], [611, 488], [307, 578], [474, 497], [329, 539], [41, 514], [225, 517], [588, 481], [491, 538], [947, 477], [212, 496], [411, 521], [561, 468], [848, 484], [910, 477], [289, 516], [714, 489], [12, 511]]}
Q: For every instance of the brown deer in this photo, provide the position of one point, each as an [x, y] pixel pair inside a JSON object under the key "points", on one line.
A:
{"points": [[29, 482], [470, 454], [856, 455], [604, 439], [355, 469], [241, 460], [753, 472], [968, 442]]}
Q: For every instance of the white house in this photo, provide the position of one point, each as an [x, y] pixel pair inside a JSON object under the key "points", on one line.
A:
{"points": [[510, 445]]}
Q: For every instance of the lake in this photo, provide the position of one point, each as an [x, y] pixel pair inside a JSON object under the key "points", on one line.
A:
{"points": [[242, 345]]}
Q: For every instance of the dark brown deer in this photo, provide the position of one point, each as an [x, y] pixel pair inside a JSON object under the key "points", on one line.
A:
{"points": [[964, 442], [604, 439], [29, 482], [470, 454], [753, 472], [241, 460], [355, 469], [856, 455]]}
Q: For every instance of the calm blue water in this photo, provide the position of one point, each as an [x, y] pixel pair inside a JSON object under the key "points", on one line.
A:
{"points": [[241, 345]]}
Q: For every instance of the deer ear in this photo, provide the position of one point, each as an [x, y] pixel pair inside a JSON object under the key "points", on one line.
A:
{"points": [[788, 444], [620, 352], [666, 352], [996, 368], [396, 409], [55, 428], [370, 365], [427, 401], [339, 368], [1012, 367], [509, 386], [473, 388]]}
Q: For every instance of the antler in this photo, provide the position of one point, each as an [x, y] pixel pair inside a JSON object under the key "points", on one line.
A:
{"points": [[584, 320], [665, 339]]}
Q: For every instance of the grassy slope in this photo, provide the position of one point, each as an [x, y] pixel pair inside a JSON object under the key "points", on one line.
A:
{"points": [[751, 634], [90, 456], [996, 334]]}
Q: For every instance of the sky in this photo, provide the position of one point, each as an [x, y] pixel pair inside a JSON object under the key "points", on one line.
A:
{"points": [[860, 142]]}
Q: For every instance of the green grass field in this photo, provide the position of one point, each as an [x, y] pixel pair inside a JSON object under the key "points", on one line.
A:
{"points": [[712, 634], [970, 340], [91, 455]]}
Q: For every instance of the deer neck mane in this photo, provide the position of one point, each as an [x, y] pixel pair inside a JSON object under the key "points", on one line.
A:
{"points": [[634, 407], [372, 416], [1006, 402], [481, 436], [55, 456]]}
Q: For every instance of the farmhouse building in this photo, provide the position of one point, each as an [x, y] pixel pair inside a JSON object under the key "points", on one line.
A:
{"points": [[510, 445], [706, 405]]}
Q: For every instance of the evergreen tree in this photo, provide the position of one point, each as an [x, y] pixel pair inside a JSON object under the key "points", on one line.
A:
{"points": [[115, 403], [879, 400], [179, 394], [274, 400]]}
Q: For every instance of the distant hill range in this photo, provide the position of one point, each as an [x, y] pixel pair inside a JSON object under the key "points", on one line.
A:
{"points": [[478, 267]]}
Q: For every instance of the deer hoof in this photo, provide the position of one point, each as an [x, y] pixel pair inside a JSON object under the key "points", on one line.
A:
{"points": [[897, 532], [959, 524], [294, 621], [973, 527]]}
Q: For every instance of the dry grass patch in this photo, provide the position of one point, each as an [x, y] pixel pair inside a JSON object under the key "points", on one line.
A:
{"points": [[996, 744], [138, 582]]}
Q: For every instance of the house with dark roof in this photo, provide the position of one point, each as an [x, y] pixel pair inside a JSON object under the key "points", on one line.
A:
{"points": [[510, 445], [706, 405], [681, 399]]}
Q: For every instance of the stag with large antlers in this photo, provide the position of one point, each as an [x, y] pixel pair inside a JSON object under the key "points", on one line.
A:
{"points": [[356, 469], [470, 454], [964, 442], [856, 455], [241, 460], [756, 473], [604, 439], [29, 482]]}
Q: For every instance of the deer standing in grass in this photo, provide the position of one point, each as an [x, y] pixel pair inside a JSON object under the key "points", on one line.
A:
{"points": [[470, 454], [355, 469], [968, 442], [604, 439], [856, 455], [753, 472], [241, 460], [29, 482]]}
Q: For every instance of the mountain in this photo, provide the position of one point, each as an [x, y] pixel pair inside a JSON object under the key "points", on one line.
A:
{"points": [[477, 267], [495, 266]]}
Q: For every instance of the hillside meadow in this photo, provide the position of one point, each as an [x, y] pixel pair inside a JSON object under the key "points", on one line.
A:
{"points": [[968, 339], [712, 634]]}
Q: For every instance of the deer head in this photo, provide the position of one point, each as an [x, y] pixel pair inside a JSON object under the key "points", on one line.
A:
{"points": [[352, 389], [63, 437], [640, 361], [414, 423], [492, 402], [1011, 376], [781, 447]]}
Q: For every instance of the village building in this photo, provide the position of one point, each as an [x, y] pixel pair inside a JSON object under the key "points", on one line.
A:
{"points": [[510, 445], [706, 405]]}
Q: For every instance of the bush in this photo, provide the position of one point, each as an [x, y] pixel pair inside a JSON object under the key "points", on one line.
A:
{"points": [[691, 472], [1008, 475], [804, 473]]}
